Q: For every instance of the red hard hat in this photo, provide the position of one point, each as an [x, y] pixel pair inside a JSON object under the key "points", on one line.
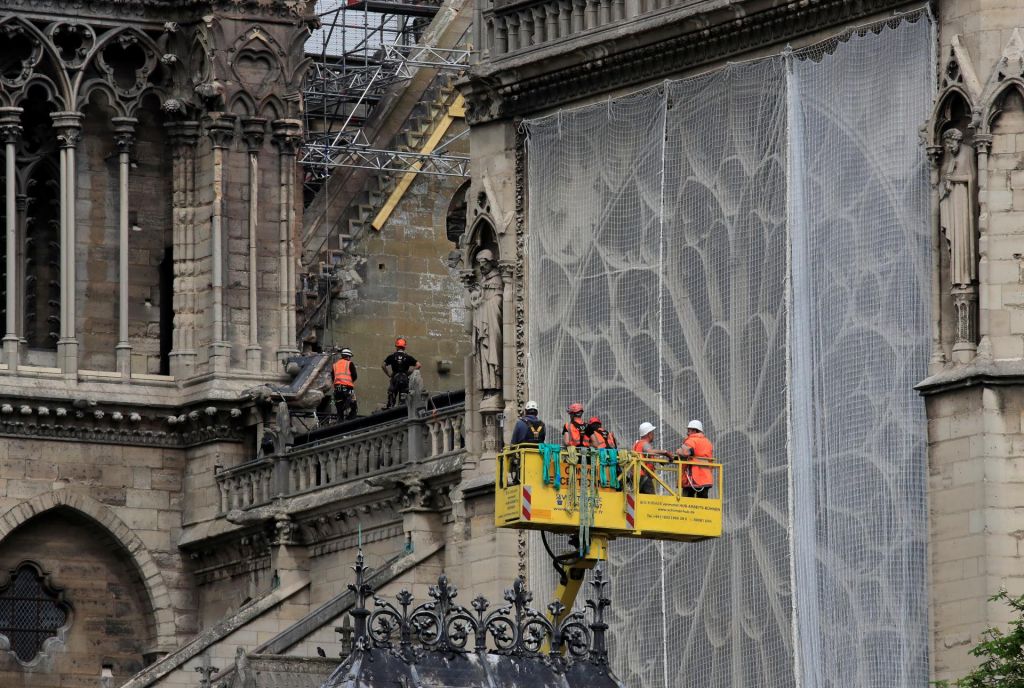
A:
{"points": [[575, 407], [400, 342], [595, 420]]}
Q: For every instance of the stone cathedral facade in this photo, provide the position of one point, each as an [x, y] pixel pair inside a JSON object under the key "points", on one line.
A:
{"points": [[149, 268], [152, 211], [779, 142]]}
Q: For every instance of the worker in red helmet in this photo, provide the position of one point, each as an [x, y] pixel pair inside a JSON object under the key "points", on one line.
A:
{"points": [[399, 363], [574, 432], [597, 436]]}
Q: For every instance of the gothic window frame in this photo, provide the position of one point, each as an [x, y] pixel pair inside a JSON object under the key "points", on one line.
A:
{"points": [[46, 634]]}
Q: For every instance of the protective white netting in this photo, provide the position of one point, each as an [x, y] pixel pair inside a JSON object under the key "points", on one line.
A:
{"points": [[749, 247], [861, 313]]}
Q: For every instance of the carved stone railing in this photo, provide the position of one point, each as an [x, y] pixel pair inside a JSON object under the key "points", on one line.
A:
{"points": [[511, 26], [247, 485], [357, 456], [345, 458], [445, 432]]}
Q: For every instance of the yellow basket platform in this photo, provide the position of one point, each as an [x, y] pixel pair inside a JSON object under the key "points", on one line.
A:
{"points": [[544, 488]]}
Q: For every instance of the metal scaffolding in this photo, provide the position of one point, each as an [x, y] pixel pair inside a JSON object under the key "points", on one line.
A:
{"points": [[361, 48]]}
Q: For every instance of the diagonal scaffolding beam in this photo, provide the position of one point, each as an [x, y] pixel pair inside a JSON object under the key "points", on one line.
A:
{"points": [[456, 111]]}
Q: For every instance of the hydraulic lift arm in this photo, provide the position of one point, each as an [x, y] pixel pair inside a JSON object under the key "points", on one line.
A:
{"points": [[574, 573]]}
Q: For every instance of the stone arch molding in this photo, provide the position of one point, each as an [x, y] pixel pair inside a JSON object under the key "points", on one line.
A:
{"points": [[156, 588]]}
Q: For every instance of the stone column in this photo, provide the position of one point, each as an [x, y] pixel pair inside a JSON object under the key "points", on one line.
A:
{"points": [[221, 131], [508, 346], [124, 139], [253, 129], [69, 133], [287, 136], [183, 138], [938, 359], [10, 132], [982, 146], [22, 207]]}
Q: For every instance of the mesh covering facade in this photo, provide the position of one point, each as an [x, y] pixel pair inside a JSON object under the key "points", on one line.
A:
{"points": [[750, 247]]}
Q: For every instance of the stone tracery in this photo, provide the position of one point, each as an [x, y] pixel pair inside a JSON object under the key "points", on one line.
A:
{"points": [[120, 71]]}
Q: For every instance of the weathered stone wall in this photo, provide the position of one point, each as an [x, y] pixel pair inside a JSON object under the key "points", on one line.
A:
{"points": [[976, 477], [408, 290], [136, 491], [98, 241], [974, 409], [111, 618]]}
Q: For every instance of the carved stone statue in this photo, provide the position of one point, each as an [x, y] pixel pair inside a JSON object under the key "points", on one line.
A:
{"points": [[956, 209], [485, 297], [243, 673]]}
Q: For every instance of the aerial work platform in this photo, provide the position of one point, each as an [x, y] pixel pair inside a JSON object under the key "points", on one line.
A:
{"points": [[589, 491]]}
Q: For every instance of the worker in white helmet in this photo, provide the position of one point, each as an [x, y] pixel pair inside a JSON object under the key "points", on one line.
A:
{"points": [[645, 445], [697, 447], [345, 376], [529, 428]]}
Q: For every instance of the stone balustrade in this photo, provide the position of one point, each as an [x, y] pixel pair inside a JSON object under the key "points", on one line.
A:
{"points": [[445, 432], [510, 26], [247, 485], [344, 458]]}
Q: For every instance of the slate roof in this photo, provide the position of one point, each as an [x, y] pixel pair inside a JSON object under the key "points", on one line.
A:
{"points": [[441, 644]]}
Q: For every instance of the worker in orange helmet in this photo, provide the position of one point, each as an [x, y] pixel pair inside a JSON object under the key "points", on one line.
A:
{"points": [[345, 376], [645, 446], [573, 432], [597, 436], [400, 363], [697, 447]]}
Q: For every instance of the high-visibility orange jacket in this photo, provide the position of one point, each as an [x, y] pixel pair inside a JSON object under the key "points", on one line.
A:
{"points": [[603, 439], [576, 436], [343, 373], [702, 450], [642, 446]]}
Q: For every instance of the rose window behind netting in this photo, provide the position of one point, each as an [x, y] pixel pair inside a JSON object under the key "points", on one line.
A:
{"points": [[750, 247]]}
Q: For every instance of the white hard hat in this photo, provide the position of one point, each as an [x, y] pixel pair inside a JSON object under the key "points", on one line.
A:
{"points": [[695, 425], [346, 352], [531, 406], [646, 428]]}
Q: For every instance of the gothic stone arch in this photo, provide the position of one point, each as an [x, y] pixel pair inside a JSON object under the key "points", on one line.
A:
{"points": [[159, 597]]}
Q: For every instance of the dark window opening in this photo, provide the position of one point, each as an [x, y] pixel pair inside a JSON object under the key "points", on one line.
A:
{"points": [[166, 309], [30, 611], [42, 224]]}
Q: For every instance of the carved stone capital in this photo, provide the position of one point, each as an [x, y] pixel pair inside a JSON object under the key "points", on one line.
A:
{"points": [[69, 128], [507, 269], [253, 131], [183, 133], [287, 135], [10, 124], [983, 143], [124, 133], [221, 129]]}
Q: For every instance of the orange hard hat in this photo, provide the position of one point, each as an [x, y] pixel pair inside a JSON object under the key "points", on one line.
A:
{"points": [[575, 407], [594, 420], [400, 342]]}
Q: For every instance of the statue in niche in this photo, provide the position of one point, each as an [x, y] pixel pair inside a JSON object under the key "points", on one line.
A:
{"points": [[956, 209], [485, 298]]}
